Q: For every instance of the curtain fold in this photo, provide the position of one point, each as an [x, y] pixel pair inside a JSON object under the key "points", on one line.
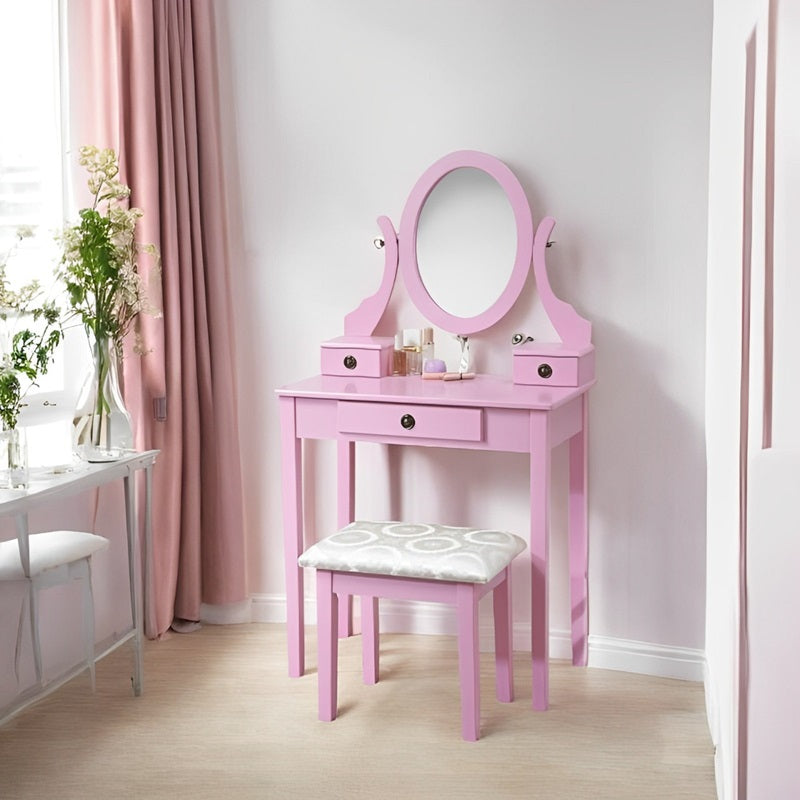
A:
{"points": [[143, 81]]}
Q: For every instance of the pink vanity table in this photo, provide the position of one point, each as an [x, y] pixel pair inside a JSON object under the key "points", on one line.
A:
{"points": [[543, 405]]}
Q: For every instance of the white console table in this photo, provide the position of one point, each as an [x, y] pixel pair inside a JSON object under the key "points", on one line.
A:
{"points": [[49, 485]]}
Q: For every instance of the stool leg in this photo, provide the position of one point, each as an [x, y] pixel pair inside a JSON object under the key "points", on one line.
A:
{"points": [[345, 612], [23, 615], [34, 618], [469, 661], [503, 632], [327, 645], [370, 637], [84, 571]]}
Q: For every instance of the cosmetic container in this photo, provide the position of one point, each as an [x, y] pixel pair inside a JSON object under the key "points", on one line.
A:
{"points": [[426, 346]]}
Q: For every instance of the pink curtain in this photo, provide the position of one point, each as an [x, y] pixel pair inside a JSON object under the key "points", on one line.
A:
{"points": [[143, 81]]}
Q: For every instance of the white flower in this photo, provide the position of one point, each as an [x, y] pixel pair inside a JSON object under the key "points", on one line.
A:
{"points": [[99, 263]]}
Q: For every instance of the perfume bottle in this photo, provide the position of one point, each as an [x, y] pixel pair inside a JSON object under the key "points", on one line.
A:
{"points": [[399, 356], [413, 361], [412, 338]]}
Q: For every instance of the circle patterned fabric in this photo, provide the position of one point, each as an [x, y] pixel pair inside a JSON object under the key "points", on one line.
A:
{"points": [[439, 552]]}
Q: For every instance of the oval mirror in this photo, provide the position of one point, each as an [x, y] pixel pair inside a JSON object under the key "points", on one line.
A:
{"points": [[465, 242]]}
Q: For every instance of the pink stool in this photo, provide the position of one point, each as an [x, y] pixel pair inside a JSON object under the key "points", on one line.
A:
{"points": [[405, 561]]}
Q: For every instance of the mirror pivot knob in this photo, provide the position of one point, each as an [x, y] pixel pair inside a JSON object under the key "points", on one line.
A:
{"points": [[545, 370], [350, 362], [407, 421]]}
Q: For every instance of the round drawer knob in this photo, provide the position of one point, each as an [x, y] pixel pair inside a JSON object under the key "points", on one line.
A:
{"points": [[407, 421], [545, 370], [350, 362]]}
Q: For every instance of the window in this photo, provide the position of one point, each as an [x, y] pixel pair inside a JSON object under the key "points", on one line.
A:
{"points": [[32, 193], [31, 185]]}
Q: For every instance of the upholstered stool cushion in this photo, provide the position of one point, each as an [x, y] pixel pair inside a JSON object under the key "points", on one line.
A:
{"points": [[48, 550], [415, 550]]}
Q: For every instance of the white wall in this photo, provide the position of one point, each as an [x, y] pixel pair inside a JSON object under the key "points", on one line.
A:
{"points": [[601, 109]]}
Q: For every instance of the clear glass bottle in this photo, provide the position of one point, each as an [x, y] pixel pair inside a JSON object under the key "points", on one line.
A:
{"points": [[413, 360], [412, 338]]}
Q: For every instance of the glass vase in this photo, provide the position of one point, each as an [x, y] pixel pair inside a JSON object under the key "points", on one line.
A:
{"points": [[102, 428], [13, 459]]}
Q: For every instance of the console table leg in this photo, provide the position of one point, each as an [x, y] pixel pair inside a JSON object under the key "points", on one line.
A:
{"points": [[132, 525], [539, 545], [147, 553], [579, 540], [292, 489]]}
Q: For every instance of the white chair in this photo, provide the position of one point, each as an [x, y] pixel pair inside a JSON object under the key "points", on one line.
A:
{"points": [[51, 559]]}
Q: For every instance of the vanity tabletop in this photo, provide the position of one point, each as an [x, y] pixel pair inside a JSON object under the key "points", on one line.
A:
{"points": [[483, 390]]}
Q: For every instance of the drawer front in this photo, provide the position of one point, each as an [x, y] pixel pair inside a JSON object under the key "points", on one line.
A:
{"points": [[548, 370], [358, 361], [411, 421]]}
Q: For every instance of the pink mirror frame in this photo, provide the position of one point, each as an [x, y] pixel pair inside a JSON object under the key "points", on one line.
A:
{"points": [[409, 223]]}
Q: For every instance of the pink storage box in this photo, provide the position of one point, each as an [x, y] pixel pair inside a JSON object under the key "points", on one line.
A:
{"points": [[546, 364], [364, 356]]}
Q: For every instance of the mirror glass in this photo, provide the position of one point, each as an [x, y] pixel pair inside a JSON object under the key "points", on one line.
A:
{"points": [[466, 242]]}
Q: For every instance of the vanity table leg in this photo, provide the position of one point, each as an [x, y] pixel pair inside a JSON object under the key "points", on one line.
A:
{"points": [[579, 539], [539, 546], [346, 506], [292, 490]]}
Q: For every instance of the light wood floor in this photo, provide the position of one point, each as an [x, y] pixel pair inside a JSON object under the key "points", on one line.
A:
{"points": [[219, 718]]}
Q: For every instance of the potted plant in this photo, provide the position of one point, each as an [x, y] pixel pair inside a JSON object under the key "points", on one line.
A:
{"points": [[30, 331], [100, 270]]}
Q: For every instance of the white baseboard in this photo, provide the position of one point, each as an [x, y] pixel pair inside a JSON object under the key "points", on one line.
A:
{"points": [[605, 652], [228, 614], [646, 658]]}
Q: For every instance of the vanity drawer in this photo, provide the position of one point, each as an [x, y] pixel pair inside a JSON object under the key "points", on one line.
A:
{"points": [[362, 356], [553, 365], [412, 421]]}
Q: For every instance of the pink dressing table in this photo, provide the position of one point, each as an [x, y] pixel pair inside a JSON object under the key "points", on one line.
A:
{"points": [[542, 406]]}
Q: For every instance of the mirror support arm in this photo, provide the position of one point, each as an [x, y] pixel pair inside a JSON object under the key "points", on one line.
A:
{"points": [[572, 328], [363, 320]]}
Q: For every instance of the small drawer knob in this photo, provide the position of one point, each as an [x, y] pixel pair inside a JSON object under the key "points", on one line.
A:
{"points": [[545, 370], [350, 362], [407, 421]]}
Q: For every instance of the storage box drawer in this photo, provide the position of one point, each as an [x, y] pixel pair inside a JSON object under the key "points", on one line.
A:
{"points": [[363, 356], [552, 365], [411, 421]]}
